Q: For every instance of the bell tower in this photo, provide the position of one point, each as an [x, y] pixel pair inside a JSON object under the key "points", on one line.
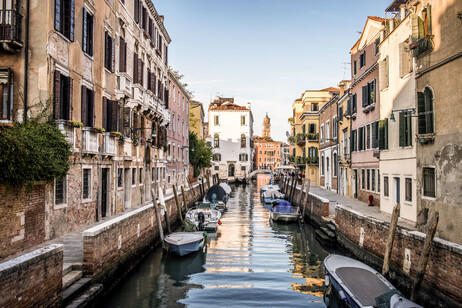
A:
{"points": [[266, 127]]}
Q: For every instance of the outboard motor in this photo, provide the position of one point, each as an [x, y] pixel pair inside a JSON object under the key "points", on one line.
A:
{"points": [[201, 219]]}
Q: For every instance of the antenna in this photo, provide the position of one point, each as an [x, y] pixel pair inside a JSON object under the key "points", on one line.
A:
{"points": [[345, 67]]}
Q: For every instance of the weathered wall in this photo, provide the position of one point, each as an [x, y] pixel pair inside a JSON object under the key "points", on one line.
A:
{"points": [[33, 279], [443, 270], [22, 218]]}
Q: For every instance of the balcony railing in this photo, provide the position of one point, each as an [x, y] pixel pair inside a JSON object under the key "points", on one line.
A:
{"points": [[10, 27], [89, 140], [124, 84], [422, 45], [109, 144], [68, 132]]}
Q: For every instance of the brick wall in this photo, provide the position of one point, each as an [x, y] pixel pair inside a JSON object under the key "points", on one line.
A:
{"points": [[33, 279], [22, 218], [107, 246], [444, 271]]}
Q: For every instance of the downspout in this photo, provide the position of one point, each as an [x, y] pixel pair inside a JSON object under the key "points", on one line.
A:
{"points": [[26, 61]]}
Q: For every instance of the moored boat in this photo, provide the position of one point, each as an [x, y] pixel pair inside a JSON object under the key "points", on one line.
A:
{"points": [[205, 219], [359, 285], [183, 243], [272, 196], [285, 212]]}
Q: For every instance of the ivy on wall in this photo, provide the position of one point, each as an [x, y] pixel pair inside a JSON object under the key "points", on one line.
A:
{"points": [[32, 151]]}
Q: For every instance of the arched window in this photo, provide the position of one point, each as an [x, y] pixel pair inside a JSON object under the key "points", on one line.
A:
{"points": [[243, 141], [216, 141], [425, 111]]}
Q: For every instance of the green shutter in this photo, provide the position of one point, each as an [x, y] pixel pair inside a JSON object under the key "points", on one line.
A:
{"points": [[382, 134], [421, 116], [402, 130], [386, 133], [348, 111], [364, 96], [429, 19], [408, 128]]}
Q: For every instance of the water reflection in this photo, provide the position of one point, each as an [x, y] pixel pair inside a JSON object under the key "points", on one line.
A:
{"points": [[251, 262]]}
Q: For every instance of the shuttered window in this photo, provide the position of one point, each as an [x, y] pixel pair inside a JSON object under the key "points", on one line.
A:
{"points": [[108, 52], [64, 18], [6, 94], [88, 107], [405, 129], [136, 11], [87, 33], [429, 182], [383, 134], [86, 184], [62, 96], [425, 111], [122, 56], [353, 103], [361, 139], [375, 134], [405, 66], [362, 60], [110, 116], [135, 68], [383, 71]]}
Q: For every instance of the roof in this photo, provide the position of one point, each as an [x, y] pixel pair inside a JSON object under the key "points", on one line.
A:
{"points": [[331, 89], [373, 18], [376, 18], [229, 106]]}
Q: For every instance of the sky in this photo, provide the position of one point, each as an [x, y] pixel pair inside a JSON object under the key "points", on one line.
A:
{"points": [[266, 52]]}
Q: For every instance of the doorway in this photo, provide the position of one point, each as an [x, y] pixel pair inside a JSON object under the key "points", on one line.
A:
{"points": [[104, 190], [231, 170]]}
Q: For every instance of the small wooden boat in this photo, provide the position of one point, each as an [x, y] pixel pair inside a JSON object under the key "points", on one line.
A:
{"points": [[183, 243], [359, 285], [285, 212], [272, 196], [205, 219]]}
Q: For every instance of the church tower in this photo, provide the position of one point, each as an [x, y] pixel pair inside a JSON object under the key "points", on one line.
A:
{"points": [[266, 127]]}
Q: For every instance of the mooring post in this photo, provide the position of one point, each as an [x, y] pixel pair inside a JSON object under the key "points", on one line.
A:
{"points": [[307, 194], [423, 260], [293, 189], [301, 193], [178, 205], [190, 188], [290, 188], [159, 220], [391, 238], [184, 199], [208, 182]]}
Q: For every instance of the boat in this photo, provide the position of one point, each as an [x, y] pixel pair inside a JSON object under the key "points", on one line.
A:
{"points": [[272, 196], [357, 285], [218, 196], [205, 219], [183, 243], [269, 187], [285, 212]]}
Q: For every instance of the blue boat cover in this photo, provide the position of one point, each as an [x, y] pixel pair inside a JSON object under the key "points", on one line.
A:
{"points": [[283, 207]]}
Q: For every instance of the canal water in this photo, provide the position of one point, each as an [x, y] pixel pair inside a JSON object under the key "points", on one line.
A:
{"points": [[250, 262]]}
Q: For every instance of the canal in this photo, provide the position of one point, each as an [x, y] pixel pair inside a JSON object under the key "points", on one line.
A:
{"points": [[249, 262]]}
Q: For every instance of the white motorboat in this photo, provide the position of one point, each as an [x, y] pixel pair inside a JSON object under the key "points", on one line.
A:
{"points": [[269, 187], [183, 243], [205, 219], [285, 212], [272, 196]]}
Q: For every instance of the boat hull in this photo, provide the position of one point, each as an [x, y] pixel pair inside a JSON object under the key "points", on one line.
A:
{"points": [[284, 217], [185, 249]]}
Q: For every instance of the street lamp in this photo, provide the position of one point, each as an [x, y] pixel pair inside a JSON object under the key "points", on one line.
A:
{"points": [[411, 110]]}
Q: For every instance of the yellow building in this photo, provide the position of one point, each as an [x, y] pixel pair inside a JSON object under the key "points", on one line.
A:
{"points": [[304, 131], [196, 119]]}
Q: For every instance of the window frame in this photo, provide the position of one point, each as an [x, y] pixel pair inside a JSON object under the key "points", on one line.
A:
{"points": [[6, 114], [87, 32], [424, 191], [65, 189], [407, 189], [386, 186], [90, 186]]}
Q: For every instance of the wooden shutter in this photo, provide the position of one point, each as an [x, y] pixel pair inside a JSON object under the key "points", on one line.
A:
{"points": [[153, 83], [114, 115], [83, 115], [429, 20], [69, 107], [135, 68], [57, 94], [122, 55], [136, 12], [364, 95], [106, 50], [383, 70], [404, 61], [58, 13], [85, 31], [422, 125], [104, 116], [140, 71], [348, 109], [415, 27], [91, 107], [402, 130], [90, 35], [72, 21], [112, 41], [126, 119]]}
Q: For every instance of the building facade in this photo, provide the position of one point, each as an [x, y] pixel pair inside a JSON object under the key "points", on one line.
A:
{"points": [[231, 137], [267, 153], [101, 65], [344, 133], [365, 112], [196, 119]]}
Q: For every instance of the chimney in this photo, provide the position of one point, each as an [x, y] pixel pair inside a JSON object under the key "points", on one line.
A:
{"points": [[161, 18], [343, 86], [248, 105], [402, 11]]}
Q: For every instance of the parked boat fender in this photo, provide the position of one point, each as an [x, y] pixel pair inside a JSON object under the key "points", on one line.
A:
{"points": [[219, 222], [341, 294], [326, 282]]}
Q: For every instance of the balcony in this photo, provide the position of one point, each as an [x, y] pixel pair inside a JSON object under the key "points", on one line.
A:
{"points": [[89, 141], [109, 144], [312, 137], [68, 132], [138, 94], [10, 28], [124, 85], [421, 46], [301, 139]]}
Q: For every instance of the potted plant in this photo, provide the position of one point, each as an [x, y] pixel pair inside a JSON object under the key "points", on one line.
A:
{"points": [[71, 123], [136, 140], [97, 129], [121, 140], [116, 134], [143, 141]]}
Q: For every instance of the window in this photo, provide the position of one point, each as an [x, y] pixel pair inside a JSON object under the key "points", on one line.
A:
{"points": [[362, 60], [405, 61], [335, 164], [322, 165], [385, 186], [425, 111], [368, 93], [405, 129], [109, 52], [6, 94], [383, 134], [61, 190], [133, 176], [217, 157], [88, 107], [408, 189], [120, 178], [64, 18], [368, 179], [361, 139], [383, 70], [354, 99], [429, 182], [375, 134], [62, 96], [87, 33], [123, 56], [354, 140], [373, 179], [378, 180], [334, 128], [377, 43], [242, 120], [217, 167], [312, 128], [314, 106], [368, 136], [354, 68], [243, 168], [140, 173], [243, 141], [217, 120], [322, 133], [363, 178], [340, 114], [216, 141], [243, 157], [86, 184]]}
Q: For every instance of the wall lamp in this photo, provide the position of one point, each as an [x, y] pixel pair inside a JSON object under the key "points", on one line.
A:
{"points": [[411, 110]]}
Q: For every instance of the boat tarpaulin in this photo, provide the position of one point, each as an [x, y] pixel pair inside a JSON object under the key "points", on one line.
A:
{"points": [[283, 207], [219, 192]]}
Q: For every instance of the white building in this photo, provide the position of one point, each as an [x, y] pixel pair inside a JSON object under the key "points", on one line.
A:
{"points": [[231, 137]]}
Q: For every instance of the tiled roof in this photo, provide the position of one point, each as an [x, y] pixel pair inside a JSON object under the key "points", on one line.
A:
{"points": [[331, 89], [375, 18], [229, 106]]}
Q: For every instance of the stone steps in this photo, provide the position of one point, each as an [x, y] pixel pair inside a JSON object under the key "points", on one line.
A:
{"points": [[75, 289], [70, 278], [86, 297]]}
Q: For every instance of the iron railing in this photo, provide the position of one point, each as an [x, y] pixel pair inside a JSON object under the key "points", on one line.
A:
{"points": [[10, 26]]}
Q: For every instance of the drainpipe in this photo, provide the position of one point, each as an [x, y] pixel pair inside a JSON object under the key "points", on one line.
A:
{"points": [[26, 61]]}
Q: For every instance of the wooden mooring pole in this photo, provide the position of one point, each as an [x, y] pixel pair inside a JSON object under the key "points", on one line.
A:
{"points": [[306, 197], [293, 189], [423, 260], [158, 218], [178, 206], [184, 198], [301, 193], [191, 189], [390, 240]]}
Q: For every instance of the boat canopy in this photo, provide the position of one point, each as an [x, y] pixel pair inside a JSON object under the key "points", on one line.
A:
{"points": [[272, 193], [283, 207], [216, 193], [226, 187]]}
